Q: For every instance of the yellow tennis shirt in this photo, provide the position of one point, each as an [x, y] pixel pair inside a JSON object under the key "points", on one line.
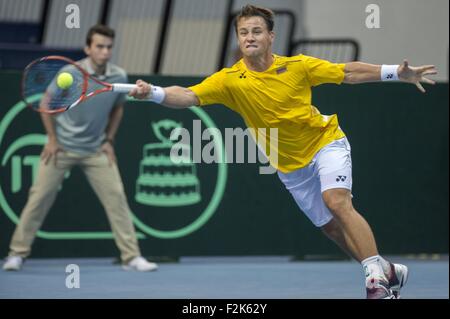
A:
{"points": [[279, 97]]}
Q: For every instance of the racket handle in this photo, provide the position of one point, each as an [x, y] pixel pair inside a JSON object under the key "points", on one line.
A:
{"points": [[123, 88]]}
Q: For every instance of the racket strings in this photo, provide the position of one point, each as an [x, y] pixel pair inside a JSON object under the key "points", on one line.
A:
{"points": [[40, 89], [93, 86]]}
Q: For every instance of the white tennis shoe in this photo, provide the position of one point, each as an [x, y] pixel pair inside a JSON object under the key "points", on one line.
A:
{"points": [[13, 263], [398, 278], [140, 264]]}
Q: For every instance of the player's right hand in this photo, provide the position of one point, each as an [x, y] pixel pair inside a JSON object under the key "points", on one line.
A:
{"points": [[50, 150], [142, 90]]}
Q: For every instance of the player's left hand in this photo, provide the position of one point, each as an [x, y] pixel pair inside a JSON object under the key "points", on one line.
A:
{"points": [[415, 75], [108, 149]]}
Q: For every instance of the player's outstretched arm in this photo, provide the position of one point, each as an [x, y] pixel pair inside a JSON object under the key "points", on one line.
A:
{"points": [[359, 72], [173, 96]]}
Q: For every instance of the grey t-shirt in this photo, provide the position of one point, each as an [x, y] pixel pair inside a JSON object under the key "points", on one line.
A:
{"points": [[82, 128]]}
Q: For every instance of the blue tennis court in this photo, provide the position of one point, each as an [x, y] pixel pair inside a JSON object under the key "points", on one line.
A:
{"points": [[217, 277]]}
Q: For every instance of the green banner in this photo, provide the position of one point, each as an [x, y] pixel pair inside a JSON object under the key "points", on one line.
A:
{"points": [[399, 141]]}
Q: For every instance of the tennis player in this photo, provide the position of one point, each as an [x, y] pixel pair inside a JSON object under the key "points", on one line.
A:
{"points": [[84, 137], [314, 161]]}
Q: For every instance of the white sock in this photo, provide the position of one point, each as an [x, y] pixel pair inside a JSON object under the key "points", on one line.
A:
{"points": [[373, 268]]}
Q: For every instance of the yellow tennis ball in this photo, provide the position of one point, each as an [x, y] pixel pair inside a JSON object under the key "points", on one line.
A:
{"points": [[64, 80]]}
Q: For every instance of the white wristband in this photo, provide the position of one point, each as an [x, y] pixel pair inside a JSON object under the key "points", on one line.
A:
{"points": [[157, 94], [389, 72]]}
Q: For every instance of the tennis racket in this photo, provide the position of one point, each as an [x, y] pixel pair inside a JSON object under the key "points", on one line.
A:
{"points": [[41, 92]]}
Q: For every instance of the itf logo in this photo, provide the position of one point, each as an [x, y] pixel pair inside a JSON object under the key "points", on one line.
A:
{"points": [[20, 148], [19, 159]]}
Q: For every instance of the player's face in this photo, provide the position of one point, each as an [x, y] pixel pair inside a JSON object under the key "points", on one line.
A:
{"points": [[254, 37], [100, 50]]}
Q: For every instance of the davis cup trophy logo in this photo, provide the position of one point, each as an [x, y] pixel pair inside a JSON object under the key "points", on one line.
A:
{"points": [[161, 181], [173, 188]]}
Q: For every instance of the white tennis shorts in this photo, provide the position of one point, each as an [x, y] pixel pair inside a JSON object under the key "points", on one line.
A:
{"points": [[330, 168]]}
